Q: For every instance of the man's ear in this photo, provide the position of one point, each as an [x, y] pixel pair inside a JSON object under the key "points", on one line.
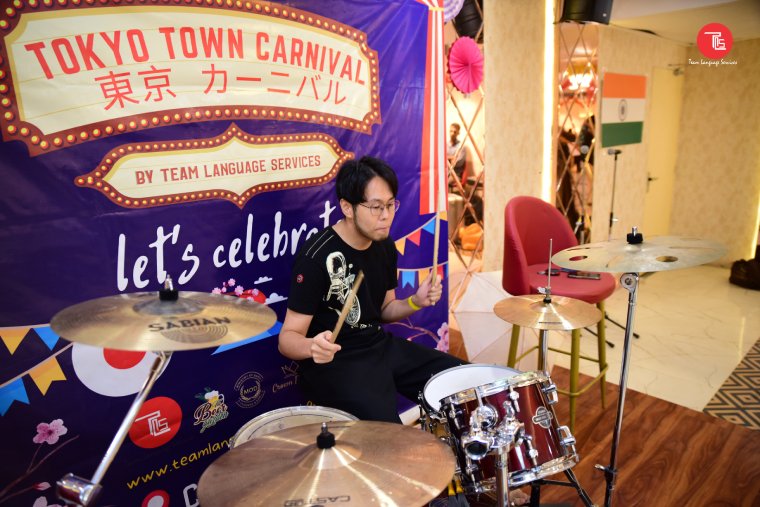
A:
{"points": [[347, 208]]}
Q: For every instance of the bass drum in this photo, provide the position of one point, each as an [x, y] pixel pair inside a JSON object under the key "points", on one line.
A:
{"points": [[287, 417]]}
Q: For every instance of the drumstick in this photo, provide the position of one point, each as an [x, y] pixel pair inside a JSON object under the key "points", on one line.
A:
{"points": [[347, 305], [434, 272]]}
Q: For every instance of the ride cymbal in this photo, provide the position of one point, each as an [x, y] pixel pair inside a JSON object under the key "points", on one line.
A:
{"points": [[659, 253], [562, 313], [142, 321], [371, 463]]}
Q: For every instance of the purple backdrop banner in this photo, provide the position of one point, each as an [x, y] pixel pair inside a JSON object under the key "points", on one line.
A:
{"points": [[149, 139]]}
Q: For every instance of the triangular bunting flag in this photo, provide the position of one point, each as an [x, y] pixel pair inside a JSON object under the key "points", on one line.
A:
{"points": [[429, 227], [400, 244], [422, 274], [444, 215], [47, 373], [415, 237], [407, 278], [47, 335], [15, 391], [12, 336], [440, 272], [273, 331]]}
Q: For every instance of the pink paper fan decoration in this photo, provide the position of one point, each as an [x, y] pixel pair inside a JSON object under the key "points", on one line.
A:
{"points": [[451, 8], [466, 65]]}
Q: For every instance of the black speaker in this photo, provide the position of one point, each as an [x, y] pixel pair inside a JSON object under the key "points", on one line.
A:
{"points": [[469, 20], [587, 10]]}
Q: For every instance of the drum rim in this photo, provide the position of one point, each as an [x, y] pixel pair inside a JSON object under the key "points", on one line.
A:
{"points": [[520, 380], [460, 367], [302, 409]]}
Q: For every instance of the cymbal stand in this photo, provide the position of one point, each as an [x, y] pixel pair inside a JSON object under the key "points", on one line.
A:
{"points": [[631, 283], [613, 219], [535, 489], [508, 434], [74, 490]]}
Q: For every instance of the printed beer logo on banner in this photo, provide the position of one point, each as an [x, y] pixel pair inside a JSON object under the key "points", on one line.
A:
{"points": [[249, 389], [212, 410], [174, 65], [156, 423]]}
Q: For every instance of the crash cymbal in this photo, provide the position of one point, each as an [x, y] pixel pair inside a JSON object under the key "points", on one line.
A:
{"points": [[658, 253], [371, 463], [562, 313], [142, 321]]}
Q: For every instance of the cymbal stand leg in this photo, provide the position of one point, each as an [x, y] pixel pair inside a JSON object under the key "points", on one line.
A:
{"points": [[631, 283], [607, 317], [543, 350], [74, 490]]}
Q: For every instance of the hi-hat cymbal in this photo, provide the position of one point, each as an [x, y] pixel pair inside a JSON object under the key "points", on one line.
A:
{"points": [[659, 253], [562, 313], [371, 463], [141, 321]]}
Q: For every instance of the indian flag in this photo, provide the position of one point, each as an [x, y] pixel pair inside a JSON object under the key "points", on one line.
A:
{"points": [[623, 98]]}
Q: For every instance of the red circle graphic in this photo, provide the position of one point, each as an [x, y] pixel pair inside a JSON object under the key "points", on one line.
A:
{"points": [[715, 40], [122, 359]]}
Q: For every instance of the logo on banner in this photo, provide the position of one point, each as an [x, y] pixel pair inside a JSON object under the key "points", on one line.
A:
{"points": [[249, 389], [715, 40], [156, 423], [158, 498], [290, 377], [213, 409]]}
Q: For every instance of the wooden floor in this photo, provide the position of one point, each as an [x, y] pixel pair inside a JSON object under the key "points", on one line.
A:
{"points": [[668, 455]]}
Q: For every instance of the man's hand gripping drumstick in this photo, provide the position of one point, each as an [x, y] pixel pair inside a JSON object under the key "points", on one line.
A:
{"points": [[323, 347]]}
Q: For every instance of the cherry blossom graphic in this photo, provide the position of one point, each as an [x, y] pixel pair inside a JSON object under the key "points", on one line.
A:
{"points": [[230, 288], [42, 502], [441, 339], [47, 434], [443, 335]]}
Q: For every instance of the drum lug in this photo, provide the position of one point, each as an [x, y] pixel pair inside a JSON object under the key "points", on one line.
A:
{"points": [[532, 451], [566, 438], [454, 416], [551, 392]]}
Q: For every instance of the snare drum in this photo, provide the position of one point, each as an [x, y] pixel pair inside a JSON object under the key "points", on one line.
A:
{"points": [[546, 448], [287, 417]]}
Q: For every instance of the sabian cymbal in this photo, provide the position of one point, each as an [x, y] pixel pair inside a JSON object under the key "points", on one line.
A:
{"points": [[141, 321], [562, 313], [371, 463], [659, 253]]}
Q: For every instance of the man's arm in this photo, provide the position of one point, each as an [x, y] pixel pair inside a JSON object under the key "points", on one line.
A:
{"points": [[395, 309], [294, 344]]}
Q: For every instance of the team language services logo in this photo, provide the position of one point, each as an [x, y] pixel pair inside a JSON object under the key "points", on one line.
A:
{"points": [[157, 421], [715, 40], [212, 410], [249, 388]]}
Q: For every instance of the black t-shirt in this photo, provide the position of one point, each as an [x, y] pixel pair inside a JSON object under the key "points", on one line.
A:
{"points": [[324, 272]]}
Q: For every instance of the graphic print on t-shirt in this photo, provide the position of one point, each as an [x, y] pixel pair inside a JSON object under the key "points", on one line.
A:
{"points": [[340, 285]]}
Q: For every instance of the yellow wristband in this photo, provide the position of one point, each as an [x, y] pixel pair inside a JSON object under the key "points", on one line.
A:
{"points": [[411, 304]]}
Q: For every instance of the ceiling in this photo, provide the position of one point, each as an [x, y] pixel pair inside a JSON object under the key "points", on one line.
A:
{"points": [[680, 20]]}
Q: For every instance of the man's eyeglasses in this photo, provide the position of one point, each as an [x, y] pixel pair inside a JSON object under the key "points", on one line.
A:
{"points": [[377, 209]]}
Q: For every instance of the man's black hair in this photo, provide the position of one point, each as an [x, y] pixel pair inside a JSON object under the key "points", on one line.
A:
{"points": [[354, 175]]}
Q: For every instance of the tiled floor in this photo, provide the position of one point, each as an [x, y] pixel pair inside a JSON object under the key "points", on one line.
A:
{"points": [[694, 328]]}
